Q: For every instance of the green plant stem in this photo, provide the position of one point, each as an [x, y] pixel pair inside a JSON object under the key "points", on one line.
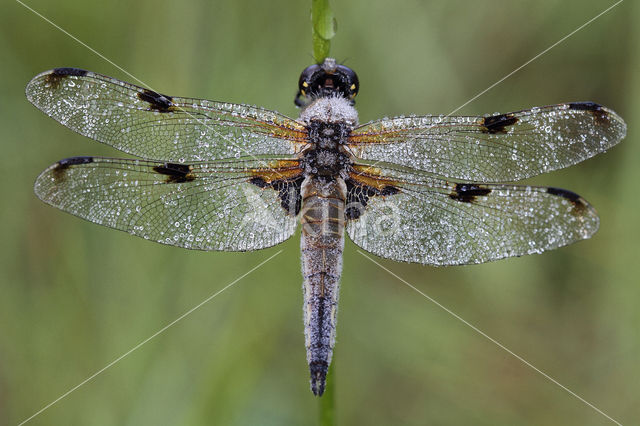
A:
{"points": [[323, 27]]}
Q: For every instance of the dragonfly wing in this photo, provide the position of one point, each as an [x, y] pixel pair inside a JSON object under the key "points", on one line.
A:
{"points": [[498, 148], [428, 220], [148, 124], [235, 206]]}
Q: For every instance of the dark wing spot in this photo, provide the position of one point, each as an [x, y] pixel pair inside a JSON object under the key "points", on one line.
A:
{"points": [[54, 78], [358, 196], [176, 173], [289, 192], [585, 106], [389, 190], [60, 168], [75, 160], [497, 123], [467, 192], [156, 101], [357, 199], [259, 182], [599, 113], [69, 71], [578, 202]]}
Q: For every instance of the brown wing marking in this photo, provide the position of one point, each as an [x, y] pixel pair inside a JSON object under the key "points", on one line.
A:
{"points": [[378, 137], [282, 131], [284, 176], [372, 177], [365, 182], [277, 170]]}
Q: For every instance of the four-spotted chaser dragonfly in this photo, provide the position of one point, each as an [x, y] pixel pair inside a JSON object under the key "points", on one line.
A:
{"points": [[221, 176]]}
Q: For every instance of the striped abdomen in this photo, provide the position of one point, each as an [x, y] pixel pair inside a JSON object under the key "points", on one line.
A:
{"points": [[322, 242]]}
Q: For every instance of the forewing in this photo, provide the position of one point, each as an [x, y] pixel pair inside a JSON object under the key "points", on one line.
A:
{"points": [[206, 206], [147, 124], [433, 221], [498, 148]]}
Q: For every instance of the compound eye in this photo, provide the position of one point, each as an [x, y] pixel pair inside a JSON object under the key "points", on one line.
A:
{"points": [[305, 83], [306, 77], [351, 81]]}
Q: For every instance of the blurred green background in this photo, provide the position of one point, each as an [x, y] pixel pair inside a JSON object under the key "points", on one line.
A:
{"points": [[74, 296]]}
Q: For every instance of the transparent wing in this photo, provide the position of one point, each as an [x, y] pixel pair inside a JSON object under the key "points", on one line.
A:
{"points": [[207, 206], [428, 220], [147, 124], [498, 148]]}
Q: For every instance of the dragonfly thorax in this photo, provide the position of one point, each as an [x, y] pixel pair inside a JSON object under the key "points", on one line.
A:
{"points": [[329, 122], [326, 156], [327, 135]]}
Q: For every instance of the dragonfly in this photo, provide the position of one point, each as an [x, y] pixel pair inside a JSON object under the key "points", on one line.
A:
{"points": [[216, 176]]}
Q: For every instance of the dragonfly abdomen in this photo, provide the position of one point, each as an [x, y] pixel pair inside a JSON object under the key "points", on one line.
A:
{"points": [[322, 243]]}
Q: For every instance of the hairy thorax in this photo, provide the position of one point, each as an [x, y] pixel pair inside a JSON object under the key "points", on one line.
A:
{"points": [[329, 122]]}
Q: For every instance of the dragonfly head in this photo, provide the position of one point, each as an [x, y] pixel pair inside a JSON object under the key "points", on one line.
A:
{"points": [[326, 79]]}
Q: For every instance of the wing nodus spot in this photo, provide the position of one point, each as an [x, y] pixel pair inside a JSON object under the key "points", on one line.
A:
{"points": [[56, 75], [468, 192], [176, 173], [497, 123], [157, 102], [60, 168]]}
